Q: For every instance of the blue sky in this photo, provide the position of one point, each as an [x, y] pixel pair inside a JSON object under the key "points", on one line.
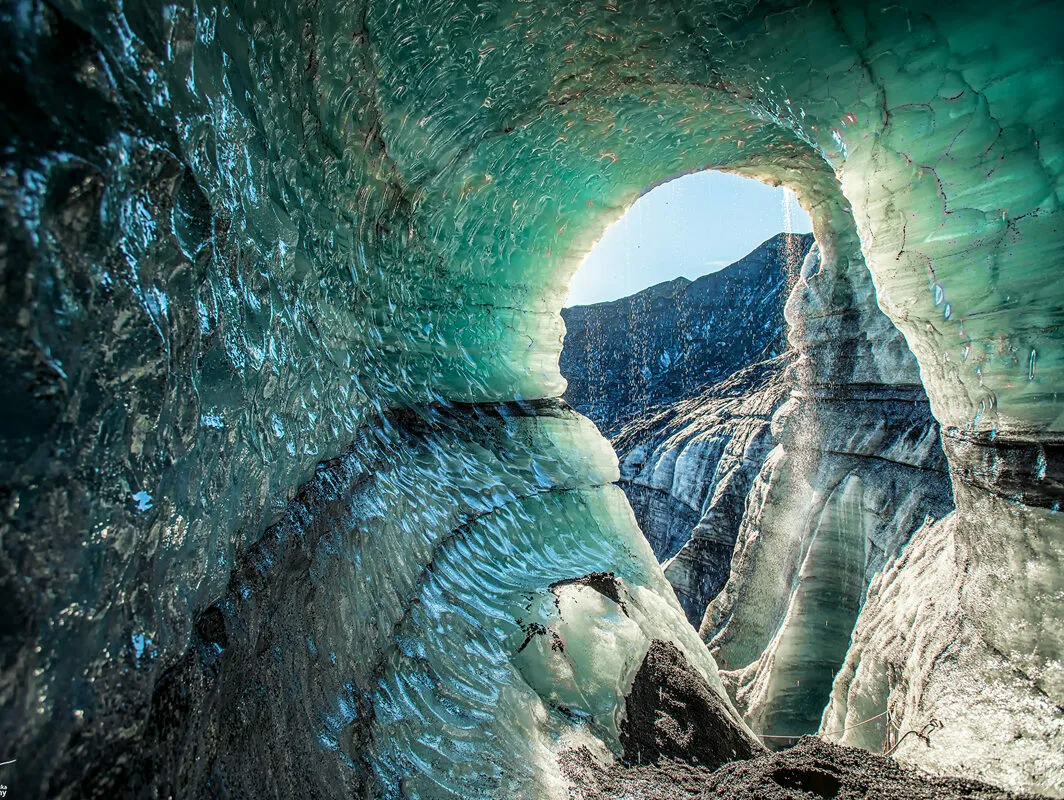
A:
{"points": [[689, 226]]}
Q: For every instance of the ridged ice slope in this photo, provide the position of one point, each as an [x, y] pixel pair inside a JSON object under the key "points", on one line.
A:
{"points": [[237, 238]]}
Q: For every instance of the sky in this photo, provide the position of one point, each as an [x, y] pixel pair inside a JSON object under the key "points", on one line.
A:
{"points": [[690, 226]]}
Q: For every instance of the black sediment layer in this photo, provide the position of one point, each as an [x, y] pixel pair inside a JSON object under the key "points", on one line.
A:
{"points": [[811, 769]]}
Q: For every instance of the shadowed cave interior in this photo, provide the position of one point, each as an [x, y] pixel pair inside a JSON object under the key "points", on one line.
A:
{"points": [[292, 505]]}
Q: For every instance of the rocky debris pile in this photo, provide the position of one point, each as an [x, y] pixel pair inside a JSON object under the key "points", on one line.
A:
{"points": [[810, 770]]}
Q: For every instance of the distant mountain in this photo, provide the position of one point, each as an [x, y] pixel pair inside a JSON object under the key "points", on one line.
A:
{"points": [[671, 341], [688, 467]]}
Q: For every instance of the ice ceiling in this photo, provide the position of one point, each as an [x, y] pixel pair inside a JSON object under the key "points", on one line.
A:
{"points": [[241, 239]]}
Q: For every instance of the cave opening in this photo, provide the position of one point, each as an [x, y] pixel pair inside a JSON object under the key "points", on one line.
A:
{"points": [[286, 467], [684, 227], [695, 385], [645, 323]]}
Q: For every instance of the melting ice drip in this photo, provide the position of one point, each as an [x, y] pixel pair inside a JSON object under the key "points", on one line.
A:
{"points": [[790, 210], [792, 214]]}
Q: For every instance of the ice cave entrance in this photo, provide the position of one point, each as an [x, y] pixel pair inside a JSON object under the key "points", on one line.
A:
{"points": [[681, 291], [678, 349], [674, 317], [684, 226]]}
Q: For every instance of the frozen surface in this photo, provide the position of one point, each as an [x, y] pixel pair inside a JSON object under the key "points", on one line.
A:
{"points": [[688, 469], [979, 683], [239, 238]]}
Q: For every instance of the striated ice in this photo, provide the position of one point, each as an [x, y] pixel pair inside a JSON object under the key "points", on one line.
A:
{"points": [[280, 331]]}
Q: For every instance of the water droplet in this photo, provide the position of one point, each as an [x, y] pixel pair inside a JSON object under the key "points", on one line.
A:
{"points": [[1032, 365], [143, 499]]}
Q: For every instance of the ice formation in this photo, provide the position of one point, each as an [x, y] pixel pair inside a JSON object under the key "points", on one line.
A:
{"points": [[242, 239]]}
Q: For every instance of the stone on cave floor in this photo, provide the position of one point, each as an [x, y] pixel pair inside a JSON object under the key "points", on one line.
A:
{"points": [[811, 769], [671, 712]]}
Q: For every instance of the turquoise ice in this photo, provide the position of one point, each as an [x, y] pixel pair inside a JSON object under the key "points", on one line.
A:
{"points": [[240, 239]]}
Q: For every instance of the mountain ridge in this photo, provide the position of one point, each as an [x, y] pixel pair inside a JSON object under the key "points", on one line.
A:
{"points": [[671, 340]]}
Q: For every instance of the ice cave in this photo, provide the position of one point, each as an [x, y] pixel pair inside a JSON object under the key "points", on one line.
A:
{"points": [[292, 503]]}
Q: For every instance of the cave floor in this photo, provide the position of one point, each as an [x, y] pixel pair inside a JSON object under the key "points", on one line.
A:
{"points": [[811, 769]]}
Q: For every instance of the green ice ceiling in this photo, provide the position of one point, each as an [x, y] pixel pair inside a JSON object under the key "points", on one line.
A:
{"points": [[242, 239]]}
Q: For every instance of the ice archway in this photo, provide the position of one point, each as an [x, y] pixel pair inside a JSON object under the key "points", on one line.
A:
{"points": [[240, 237]]}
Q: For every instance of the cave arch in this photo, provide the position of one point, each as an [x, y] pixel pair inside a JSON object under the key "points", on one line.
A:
{"points": [[813, 482], [245, 236]]}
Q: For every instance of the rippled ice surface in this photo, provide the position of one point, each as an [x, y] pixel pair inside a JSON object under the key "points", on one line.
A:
{"points": [[237, 236], [410, 629], [469, 695]]}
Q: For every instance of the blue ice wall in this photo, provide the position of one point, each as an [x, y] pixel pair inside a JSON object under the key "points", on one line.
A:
{"points": [[237, 236]]}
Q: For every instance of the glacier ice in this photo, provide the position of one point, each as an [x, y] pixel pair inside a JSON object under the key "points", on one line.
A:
{"points": [[241, 239]]}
